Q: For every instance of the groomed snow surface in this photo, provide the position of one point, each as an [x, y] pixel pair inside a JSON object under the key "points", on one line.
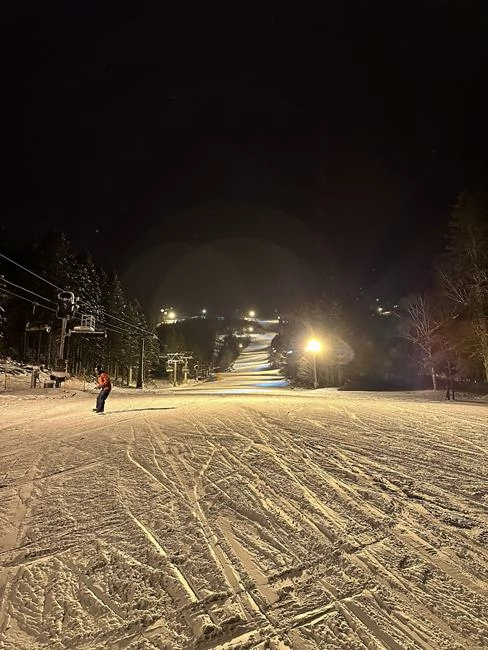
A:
{"points": [[242, 514]]}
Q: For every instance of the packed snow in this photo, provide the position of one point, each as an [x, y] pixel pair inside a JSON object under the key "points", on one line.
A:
{"points": [[241, 514]]}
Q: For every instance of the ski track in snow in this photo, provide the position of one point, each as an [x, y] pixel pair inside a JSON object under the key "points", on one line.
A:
{"points": [[228, 516]]}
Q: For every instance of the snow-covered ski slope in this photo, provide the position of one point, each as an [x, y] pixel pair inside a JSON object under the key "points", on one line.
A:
{"points": [[252, 371], [263, 519]]}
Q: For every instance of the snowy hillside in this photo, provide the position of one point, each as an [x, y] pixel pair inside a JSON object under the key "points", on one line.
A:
{"points": [[242, 514]]}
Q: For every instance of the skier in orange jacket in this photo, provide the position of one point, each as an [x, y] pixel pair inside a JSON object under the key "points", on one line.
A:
{"points": [[105, 386]]}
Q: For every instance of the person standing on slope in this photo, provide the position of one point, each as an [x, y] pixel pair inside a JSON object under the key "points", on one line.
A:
{"points": [[105, 386]]}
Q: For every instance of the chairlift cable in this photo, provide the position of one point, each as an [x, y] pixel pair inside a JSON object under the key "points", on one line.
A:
{"points": [[18, 286], [32, 302], [31, 272]]}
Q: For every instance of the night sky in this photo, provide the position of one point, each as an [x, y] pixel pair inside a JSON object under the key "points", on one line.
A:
{"points": [[244, 157]]}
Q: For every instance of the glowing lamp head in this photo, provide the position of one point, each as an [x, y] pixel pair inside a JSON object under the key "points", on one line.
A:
{"points": [[313, 346]]}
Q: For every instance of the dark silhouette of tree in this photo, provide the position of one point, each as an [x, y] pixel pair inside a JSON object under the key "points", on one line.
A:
{"points": [[463, 272], [419, 326], [426, 323]]}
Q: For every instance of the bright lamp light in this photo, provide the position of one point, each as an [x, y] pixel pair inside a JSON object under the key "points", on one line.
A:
{"points": [[313, 346]]}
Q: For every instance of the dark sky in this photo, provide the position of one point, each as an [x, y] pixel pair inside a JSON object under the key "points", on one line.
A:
{"points": [[244, 156]]}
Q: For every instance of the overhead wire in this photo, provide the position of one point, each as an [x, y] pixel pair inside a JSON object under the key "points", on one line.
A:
{"points": [[17, 286], [107, 314], [32, 302], [31, 272], [125, 323]]}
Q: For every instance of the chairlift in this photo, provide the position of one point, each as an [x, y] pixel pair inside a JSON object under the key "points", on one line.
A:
{"points": [[37, 326], [87, 326]]}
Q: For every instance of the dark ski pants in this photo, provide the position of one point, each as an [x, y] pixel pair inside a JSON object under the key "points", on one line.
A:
{"points": [[101, 399]]}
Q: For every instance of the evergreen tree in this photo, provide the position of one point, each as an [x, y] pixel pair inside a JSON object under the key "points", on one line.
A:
{"points": [[114, 314], [463, 272], [54, 259]]}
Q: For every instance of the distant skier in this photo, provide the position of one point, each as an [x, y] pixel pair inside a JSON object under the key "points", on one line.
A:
{"points": [[105, 386]]}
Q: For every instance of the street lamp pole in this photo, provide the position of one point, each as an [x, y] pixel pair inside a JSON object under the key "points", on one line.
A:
{"points": [[314, 347], [315, 382]]}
